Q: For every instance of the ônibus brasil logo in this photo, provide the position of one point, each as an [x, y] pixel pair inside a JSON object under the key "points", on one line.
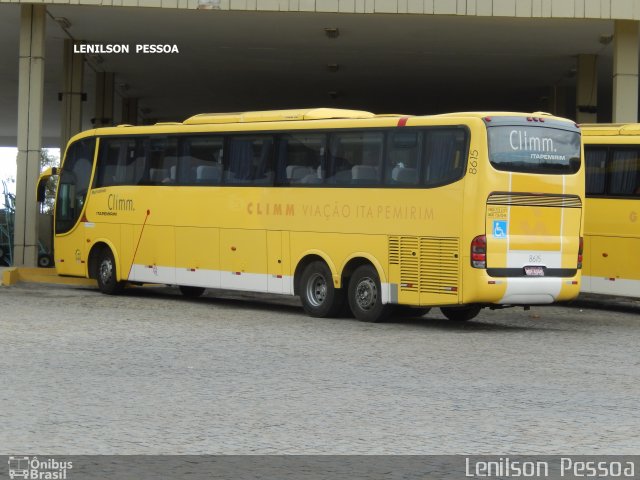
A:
{"points": [[34, 469]]}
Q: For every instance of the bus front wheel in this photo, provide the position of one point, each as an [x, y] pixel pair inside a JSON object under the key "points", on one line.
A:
{"points": [[365, 295], [319, 297], [461, 314], [107, 278], [45, 260]]}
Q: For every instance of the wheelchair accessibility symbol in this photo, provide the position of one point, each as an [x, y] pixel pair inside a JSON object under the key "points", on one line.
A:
{"points": [[500, 229]]}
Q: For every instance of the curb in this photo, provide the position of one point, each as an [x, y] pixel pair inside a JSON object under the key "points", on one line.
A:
{"points": [[13, 275]]}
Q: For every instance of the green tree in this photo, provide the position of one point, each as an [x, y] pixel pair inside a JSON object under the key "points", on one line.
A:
{"points": [[47, 160]]}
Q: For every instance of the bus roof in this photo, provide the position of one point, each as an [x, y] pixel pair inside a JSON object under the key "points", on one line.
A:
{"points": [[611, 129], [500, 114], [277, 116], [328, 114], [244, 120]]}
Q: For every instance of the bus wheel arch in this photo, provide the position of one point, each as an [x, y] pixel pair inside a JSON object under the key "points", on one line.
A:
{"points": [[103, 266], [357, 261], [365, 292], [314, 284], [304, 262]]}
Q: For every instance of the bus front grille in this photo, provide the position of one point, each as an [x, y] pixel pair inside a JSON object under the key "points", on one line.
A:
{"points": [[427, 264]]}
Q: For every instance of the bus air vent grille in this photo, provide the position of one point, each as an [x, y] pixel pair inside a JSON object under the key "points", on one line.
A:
{"points": [[534, 200], [427, 264], [439, 265]]}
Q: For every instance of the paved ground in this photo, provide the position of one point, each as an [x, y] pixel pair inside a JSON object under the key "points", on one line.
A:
{"points": [[150, 372]]}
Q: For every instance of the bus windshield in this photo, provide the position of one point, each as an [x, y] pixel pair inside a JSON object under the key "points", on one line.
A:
{"points": [[530, 149]]}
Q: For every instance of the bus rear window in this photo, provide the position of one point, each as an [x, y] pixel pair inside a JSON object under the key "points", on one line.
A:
{"points": [[531, 149]]}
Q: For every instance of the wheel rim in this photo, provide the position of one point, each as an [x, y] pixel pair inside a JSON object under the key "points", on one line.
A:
{"points": [[316, 290], [106, 270], [366, 293]]}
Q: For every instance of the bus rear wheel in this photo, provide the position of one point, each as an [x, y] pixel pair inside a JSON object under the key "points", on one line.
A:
{"points": [[318, 295], [461, 314], [107, 275], [191, 292], [365, 295]]}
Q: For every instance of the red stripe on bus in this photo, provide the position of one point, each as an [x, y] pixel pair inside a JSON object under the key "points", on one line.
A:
{"points": [[403, 121]]}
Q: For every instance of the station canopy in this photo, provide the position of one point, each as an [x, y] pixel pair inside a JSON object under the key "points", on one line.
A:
{"points": [[231, 61]]}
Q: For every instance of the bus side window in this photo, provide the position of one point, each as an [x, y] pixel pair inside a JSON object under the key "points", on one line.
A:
{"points": [[121, 161], [163, 161], [107, 162], [136, 165], [402, 167], [623, 171], [595, 163], [301, 158], [356, 158], [250, 160], [200, 160], [442, 160]]}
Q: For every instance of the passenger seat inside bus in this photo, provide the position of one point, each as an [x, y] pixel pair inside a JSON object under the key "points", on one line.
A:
{"points": [[209, 174], [297, 173], [364, 174]]}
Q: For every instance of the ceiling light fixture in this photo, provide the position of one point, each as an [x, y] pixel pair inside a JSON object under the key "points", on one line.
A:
{"points": [[605, 39], [332, 32]]}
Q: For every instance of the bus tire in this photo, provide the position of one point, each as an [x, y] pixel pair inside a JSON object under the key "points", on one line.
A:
{"points": [[365, 295], [107, 274], [191, 292], [410, 312], [461, 314], [318, 295], [45, 260]]}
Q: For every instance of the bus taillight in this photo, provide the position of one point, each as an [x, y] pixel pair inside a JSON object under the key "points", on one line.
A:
{"points": [[580, 248], [479, 252]]}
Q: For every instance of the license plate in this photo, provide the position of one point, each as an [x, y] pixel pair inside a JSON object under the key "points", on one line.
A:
{"points": [[534, 271]]}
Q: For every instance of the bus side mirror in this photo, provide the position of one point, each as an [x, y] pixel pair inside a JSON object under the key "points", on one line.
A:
{"points": [[41, 191], [42, 183]]}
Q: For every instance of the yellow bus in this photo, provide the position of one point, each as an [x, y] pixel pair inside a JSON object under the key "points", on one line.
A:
{"points": [[351, 211], [612, 218]]}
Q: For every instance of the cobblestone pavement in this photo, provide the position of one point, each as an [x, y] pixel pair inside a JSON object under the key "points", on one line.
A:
{"points": [[151, 372]]}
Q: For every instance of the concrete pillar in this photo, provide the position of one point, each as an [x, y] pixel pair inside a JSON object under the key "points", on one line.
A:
{"points": [[30, 101], [130, 111], [587, 89], [559, 100], [104, 100], [72, 94], [625, 71]]}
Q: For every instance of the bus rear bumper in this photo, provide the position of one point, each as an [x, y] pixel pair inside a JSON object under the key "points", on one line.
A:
{"points": [[539, 291]]}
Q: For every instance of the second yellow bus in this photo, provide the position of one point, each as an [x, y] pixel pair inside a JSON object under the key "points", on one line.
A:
{"points": [[612, 221]]}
